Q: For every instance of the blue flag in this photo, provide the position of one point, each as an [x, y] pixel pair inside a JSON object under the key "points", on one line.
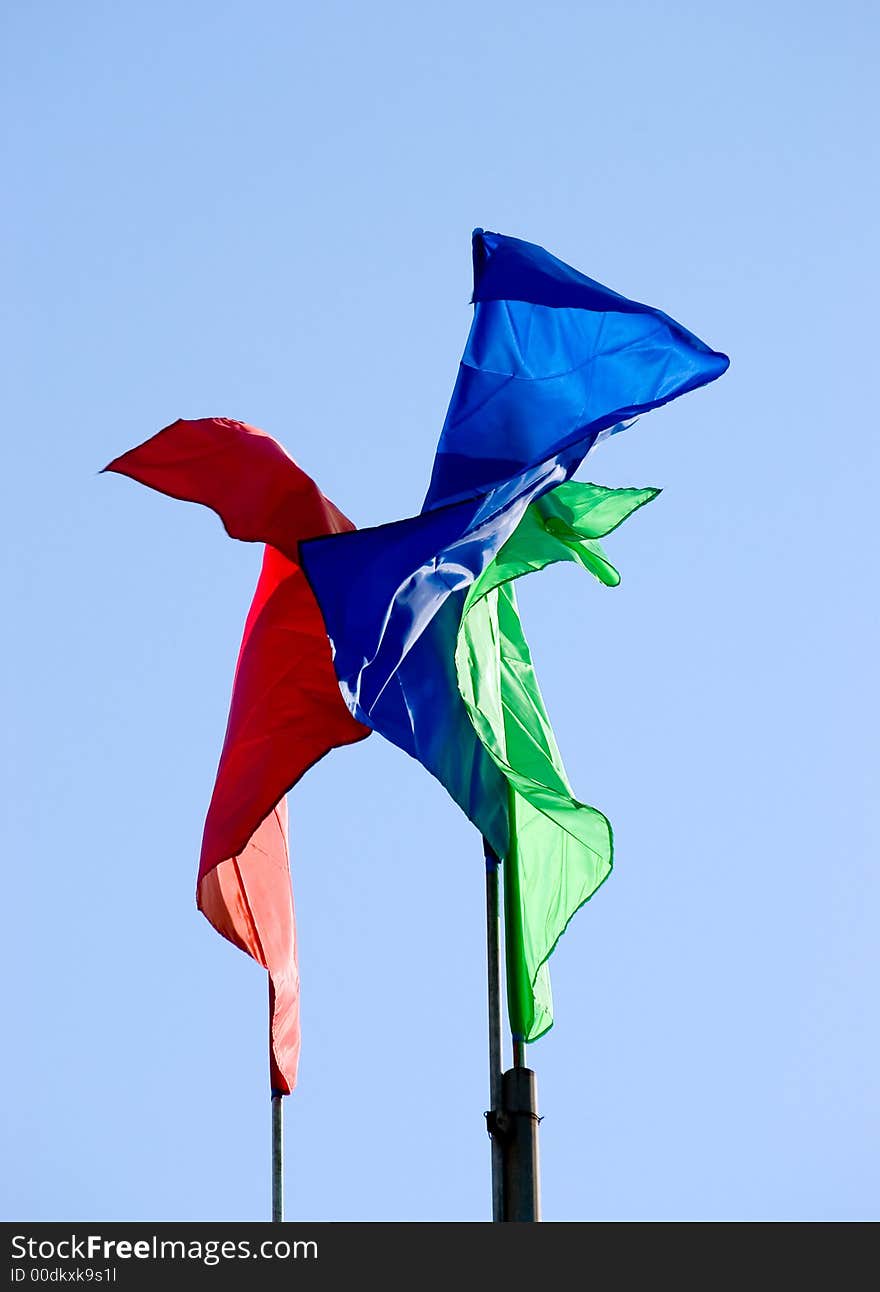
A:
{"points": [[554, 362]]}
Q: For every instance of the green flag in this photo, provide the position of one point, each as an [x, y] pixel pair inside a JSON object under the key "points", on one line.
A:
{"points": [[560, 849]]}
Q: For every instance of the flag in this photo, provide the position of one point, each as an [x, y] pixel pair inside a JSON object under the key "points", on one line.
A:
{"points": [[560, 849], [554, 363], [286, 710]]}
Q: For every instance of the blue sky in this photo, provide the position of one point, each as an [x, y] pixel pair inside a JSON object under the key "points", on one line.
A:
{"points": [[208, 205]]}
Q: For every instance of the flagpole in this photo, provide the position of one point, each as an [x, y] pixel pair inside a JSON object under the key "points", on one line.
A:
{"points": [[493, 951], [277, 1156]]}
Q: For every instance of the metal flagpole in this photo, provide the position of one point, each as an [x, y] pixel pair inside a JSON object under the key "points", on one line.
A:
{"points": [[513, 1116], [277, 1156], [493, 950]]}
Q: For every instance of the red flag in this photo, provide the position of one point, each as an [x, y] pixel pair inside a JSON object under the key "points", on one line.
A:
{"points": [[286, 710]]}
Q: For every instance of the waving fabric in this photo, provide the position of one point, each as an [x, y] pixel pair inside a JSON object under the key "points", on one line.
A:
{"points": [[560, 849], [411, 629]]}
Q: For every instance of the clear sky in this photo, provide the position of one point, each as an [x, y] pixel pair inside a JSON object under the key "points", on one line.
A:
{"points": [[263, 211]]}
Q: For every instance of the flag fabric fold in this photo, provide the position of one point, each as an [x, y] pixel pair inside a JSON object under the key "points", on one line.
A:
{"points": [[554, 361], [286, 709], [560, 849]]}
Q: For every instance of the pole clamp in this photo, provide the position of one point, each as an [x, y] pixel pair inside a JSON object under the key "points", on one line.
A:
{"points": [[498, 1124]]}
